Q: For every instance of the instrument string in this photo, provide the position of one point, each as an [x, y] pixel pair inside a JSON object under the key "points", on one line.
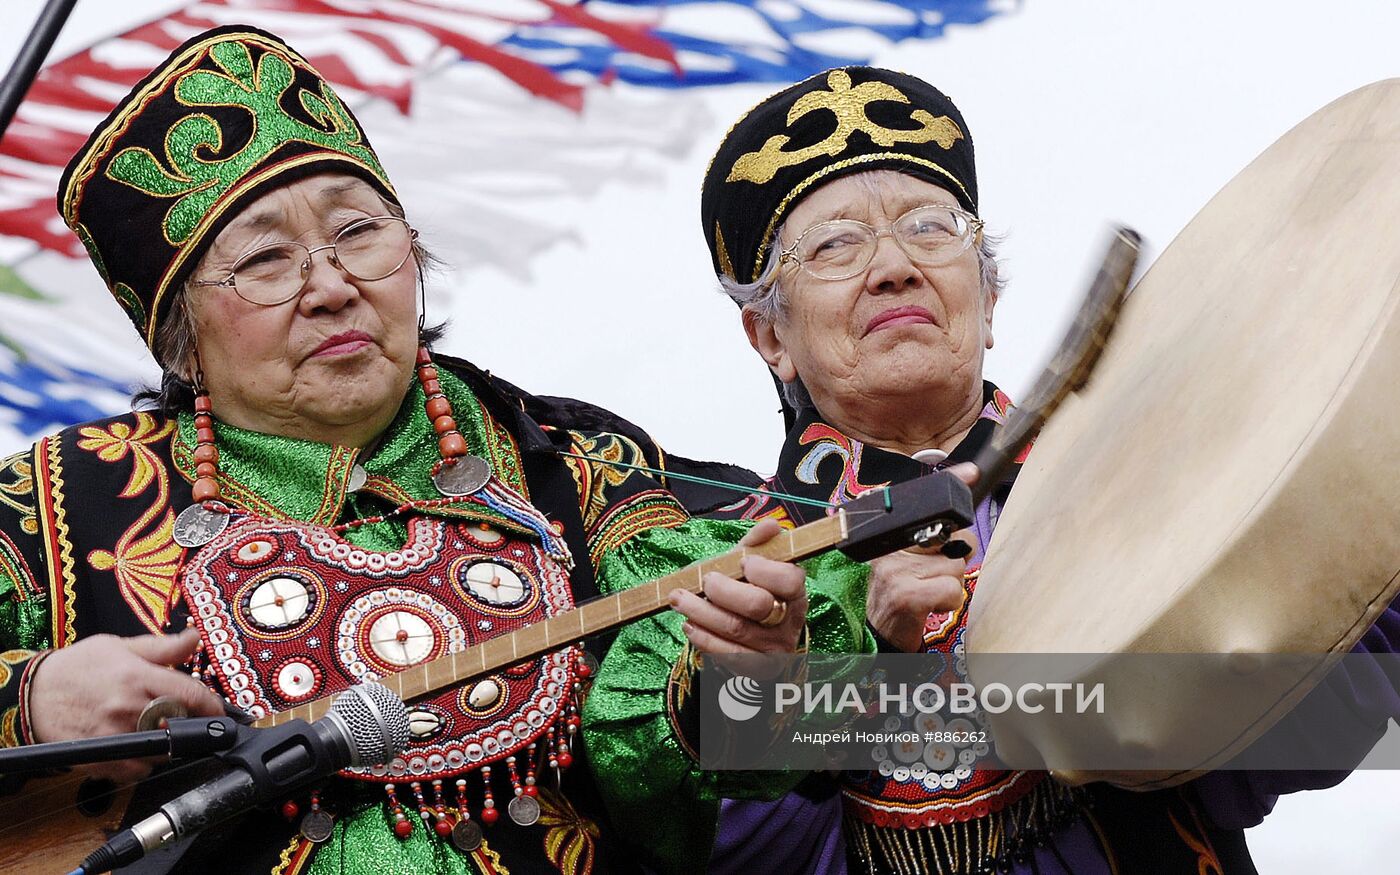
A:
{"points": [[705, 481], [858, 516], [61, 786]]}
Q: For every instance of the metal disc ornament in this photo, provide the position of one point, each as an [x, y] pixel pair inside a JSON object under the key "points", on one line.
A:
{"points": [[466, 835], [358, 478], [197, 525], [524, 810], [317, 826], [462, 476], [158, 711]]}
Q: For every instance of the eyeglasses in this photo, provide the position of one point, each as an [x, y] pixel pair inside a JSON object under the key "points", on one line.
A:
{"points": [[932, 235], [370, 249]]}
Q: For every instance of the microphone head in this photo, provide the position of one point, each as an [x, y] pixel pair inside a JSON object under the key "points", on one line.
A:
{"points": [[375, 723]]}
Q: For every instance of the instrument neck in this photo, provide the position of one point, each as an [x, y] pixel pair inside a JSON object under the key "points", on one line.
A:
{"points": [[586, 620]]}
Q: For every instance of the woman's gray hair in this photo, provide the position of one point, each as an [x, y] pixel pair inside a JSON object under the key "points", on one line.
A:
{"points": [[174, 346], [765, 299]]}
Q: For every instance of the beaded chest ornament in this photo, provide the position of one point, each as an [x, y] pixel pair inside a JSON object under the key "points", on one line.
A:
{"points": [[289, 613]]}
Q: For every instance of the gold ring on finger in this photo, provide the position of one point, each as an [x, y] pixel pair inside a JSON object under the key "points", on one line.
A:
{"points": [[776, 615]]}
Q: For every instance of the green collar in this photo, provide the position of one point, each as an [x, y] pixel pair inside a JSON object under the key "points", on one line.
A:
{"points": [[289, 478]]}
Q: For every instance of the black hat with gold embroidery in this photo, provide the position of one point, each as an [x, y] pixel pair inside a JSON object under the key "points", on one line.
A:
{"points": [[230, 115], [836, 123]]}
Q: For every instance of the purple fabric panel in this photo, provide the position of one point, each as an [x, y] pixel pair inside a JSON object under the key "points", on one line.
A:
{"points": [[1076, 846], [1362, 690], [804, 834]]}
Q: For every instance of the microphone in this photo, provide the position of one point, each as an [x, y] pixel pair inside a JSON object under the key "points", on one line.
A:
{"points": [[367, 725]]}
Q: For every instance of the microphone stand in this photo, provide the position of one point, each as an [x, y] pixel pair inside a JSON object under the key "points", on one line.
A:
{"points": [[31, 58], [181, 738]]}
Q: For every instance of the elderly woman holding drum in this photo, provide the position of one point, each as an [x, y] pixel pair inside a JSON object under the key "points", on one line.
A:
{"points": [[321, 501], [842, 216]]}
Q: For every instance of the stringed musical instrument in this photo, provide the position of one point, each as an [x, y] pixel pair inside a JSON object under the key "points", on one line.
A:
{"points": [[56, 822]]}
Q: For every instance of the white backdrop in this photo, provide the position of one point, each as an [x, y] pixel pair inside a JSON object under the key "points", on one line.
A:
{"points": [[1082, 113]]}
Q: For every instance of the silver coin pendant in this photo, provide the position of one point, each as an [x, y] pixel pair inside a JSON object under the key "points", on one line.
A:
{"points": [[466, 835], [197, 525], [316, 826], [462, 476], [524, 810]]}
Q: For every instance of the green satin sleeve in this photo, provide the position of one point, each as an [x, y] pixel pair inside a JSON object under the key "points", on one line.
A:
{"points": [[24, 629], [24, 612], [657, 797], [24, 622]]}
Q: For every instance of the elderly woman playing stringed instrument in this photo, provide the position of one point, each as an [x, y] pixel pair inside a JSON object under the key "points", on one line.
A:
{"points": [[842, 215], [319, 501]]}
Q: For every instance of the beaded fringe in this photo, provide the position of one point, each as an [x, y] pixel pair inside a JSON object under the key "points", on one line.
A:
{"points": [[981, 846]]}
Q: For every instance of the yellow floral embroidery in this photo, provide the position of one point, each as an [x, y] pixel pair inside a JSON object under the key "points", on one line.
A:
{"points": [[146, 566], [113, 443], [146, 560], [17, 490], [570, 838]]}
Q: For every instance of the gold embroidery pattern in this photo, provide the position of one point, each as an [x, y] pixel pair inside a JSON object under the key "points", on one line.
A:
{"points": [[683, 673], [678, 689], [17, 490], [14, 568], [57, 546], [570, 839], [9, 735], [146, 560], [646, 510], [333, 490], [12, 658], [722, 253], [848, 104], [117, 440], [505, 455], [801, 188], [594, 484], [488, 860], [294, 857], [146, 567], [1207, 861]]}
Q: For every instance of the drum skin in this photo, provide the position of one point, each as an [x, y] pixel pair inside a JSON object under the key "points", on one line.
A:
{"points": [[1227, 482]]}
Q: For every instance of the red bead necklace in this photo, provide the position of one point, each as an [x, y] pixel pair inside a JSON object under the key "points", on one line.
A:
{"points": [[452, 446]]}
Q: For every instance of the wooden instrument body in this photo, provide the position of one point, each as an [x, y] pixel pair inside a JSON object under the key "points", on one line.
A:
{"points": [[1226, 483], [57, 843]]}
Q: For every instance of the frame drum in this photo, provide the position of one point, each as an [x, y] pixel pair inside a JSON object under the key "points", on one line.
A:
{"points": [[1227, 482]]}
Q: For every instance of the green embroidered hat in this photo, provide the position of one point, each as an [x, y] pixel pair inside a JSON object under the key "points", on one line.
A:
{"points": [[230, 115], [839, 122]]}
